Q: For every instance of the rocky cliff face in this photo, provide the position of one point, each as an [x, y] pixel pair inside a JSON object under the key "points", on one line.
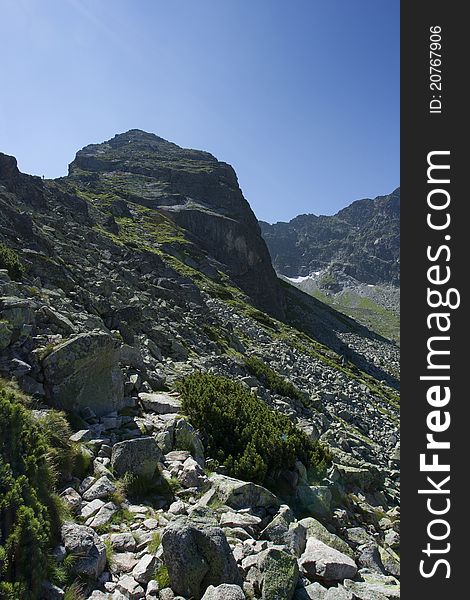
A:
{"points": [[362, 240], [113, 290], [200, 193]]}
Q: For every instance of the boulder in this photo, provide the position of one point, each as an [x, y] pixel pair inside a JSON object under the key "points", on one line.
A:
{"points": [[102, 488], [226, 591], [138, 456], [374, 587], [326, 563], [197, 556], [84, 543], [242, 494], [192, 474], [318, 531], [122, 542], [280, 574], [130, 588], [145, 569], [284, 531], [103, 516], [315, 499], [185, 437], [84, 371], [160, 403]]}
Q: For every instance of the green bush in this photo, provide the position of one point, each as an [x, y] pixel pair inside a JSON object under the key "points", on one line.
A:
{"points": [[28, 511], [254, 442], [9, 260], [271, 379]]}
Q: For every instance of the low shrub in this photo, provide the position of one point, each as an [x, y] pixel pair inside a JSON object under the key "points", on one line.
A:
{"points": [[271, 379], [254, 442], [10, 261]]}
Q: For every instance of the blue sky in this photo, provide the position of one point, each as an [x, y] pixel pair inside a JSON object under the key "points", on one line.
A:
{"points": [[300, 96]]}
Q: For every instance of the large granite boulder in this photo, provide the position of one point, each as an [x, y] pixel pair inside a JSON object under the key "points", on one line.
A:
{"points": [[139, 456], [319, 561], [197, 555], [242, 494], [84, 372], [280, 574], [89, 550]]}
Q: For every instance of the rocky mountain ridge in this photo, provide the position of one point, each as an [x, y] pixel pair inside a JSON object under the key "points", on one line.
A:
{"points": [[110, 296], [361, 240]]}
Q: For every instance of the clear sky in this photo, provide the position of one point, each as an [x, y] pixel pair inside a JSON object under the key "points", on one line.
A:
{"points": [[300, 96]]}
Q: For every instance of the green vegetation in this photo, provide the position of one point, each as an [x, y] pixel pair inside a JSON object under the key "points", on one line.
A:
{"points": [[383, 321], [154, 543], [271, 379], [162, 577], [10, 261], [108, 548], [29, 522], [254, 442]]}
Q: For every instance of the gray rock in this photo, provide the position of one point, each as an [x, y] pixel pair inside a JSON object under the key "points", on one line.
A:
{"points": [[185, 437], [130, 588], [314, 591], [242, 494], [152, 589], [226, 591], [197, 556], [138, 456], [91, 508], [316, 530], [316, 500], [84, 371], [122, 542], [280, 574], [102, 488], [160, 403], [145, 569], [374, 587], [72, 498], [123, 562], [369, 557], [321, 561], [103, 516], [83, 542]]}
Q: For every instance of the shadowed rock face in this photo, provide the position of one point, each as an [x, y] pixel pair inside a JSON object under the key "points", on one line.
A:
{"points": [[362, 239], [197, 191]]}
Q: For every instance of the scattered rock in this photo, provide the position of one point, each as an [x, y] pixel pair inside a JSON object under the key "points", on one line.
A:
{"points": [[321, 561], [84, 543], [197, 556], [137, 456]]}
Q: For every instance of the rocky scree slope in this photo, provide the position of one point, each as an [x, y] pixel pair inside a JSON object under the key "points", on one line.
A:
{"points": [[107, 301]]}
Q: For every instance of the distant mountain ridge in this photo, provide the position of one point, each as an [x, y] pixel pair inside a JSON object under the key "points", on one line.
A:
{"points": [[361, 240]]}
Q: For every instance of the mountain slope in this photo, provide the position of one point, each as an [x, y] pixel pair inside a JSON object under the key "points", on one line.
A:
{"points": [[116, 310], [197, 191], [362, 240]]}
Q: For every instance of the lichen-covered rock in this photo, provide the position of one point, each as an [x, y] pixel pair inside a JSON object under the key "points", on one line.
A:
{"points": [[84, 372], [84, 543], [280, 574], [197, 556], [138, 456]]}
